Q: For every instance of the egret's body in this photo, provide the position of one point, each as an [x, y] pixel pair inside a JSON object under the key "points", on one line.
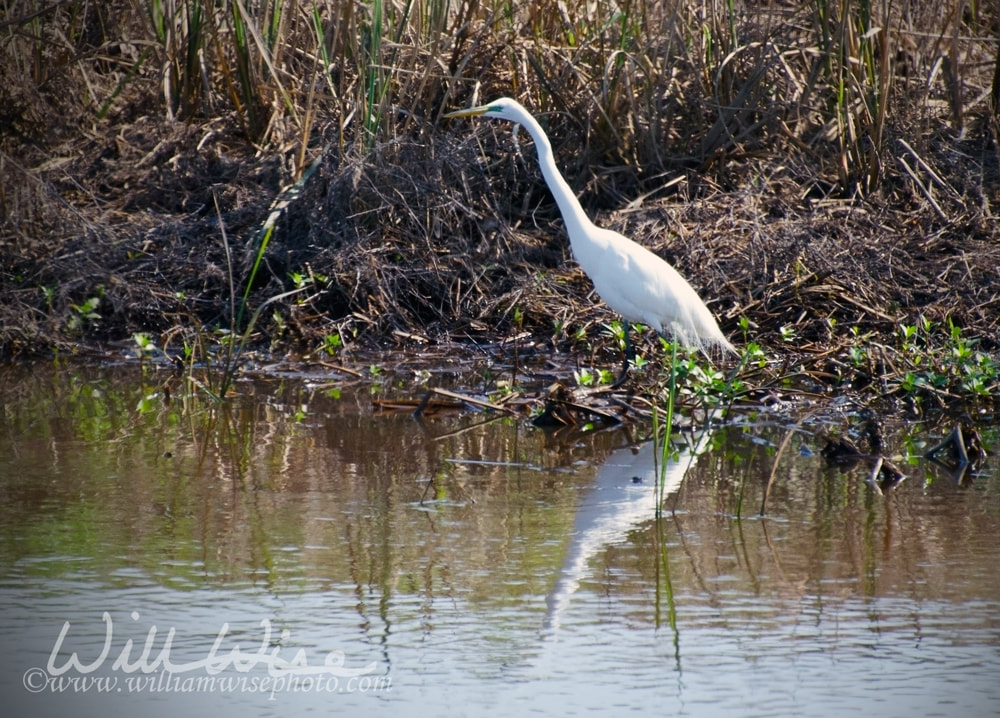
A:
{"points": [[633, 281]]}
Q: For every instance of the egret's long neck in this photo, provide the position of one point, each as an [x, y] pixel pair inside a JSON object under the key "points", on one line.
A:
{"points": [[569, 205]]}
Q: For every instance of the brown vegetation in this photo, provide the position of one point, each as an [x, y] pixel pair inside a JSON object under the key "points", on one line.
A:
{"points": [[811, 168]]}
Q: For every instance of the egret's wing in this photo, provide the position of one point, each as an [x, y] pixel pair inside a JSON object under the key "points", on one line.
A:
{"points": [[642, 287]]}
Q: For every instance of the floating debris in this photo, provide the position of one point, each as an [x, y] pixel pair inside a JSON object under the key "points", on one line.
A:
{"points": [[843, 453], [564, 408], [962, 453]]}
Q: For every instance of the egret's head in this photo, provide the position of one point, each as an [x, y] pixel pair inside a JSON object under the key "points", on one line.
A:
{"points": [[504, 108]]}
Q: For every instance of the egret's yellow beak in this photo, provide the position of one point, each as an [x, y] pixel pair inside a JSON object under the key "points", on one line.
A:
{"points": [[470, 112]]}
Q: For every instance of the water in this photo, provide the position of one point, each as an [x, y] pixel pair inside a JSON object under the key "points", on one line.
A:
{"points": [[300, 552]]}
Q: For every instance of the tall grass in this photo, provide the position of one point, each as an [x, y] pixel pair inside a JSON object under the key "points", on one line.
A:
{"points": [[643, 88]]}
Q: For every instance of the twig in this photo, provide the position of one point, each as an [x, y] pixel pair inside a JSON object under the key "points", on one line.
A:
{"points": [[482, 403], [339, 368], [873, 476], [925, 190], [777, 458], [927, 168]]}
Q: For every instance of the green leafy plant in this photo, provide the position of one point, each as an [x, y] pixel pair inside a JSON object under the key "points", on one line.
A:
{"points": [[332, 344], [616, 330], [84, 313], [938, 360], [143, 343]]}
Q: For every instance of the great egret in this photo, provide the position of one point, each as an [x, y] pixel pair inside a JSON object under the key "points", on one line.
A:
{"points": [[630, 279]]}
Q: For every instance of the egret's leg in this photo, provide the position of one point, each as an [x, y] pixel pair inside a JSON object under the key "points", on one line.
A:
{"points": [[629, 358]]}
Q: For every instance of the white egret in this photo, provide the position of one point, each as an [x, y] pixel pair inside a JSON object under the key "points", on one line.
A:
{"points": [[633, 281]]}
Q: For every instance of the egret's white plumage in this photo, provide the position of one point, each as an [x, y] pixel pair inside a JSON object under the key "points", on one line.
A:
{"points": [[630, 279]]}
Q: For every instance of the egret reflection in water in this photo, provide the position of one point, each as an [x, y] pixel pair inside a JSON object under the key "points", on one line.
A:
{"points": [[625, 493]]}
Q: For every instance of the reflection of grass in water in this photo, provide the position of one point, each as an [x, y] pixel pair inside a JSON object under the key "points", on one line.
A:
{"points": [[661, 434], [665, 589], [663, 452], [114, 477]]}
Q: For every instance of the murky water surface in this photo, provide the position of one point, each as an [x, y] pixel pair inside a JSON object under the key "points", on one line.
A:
{"points": [[298, 551]]}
